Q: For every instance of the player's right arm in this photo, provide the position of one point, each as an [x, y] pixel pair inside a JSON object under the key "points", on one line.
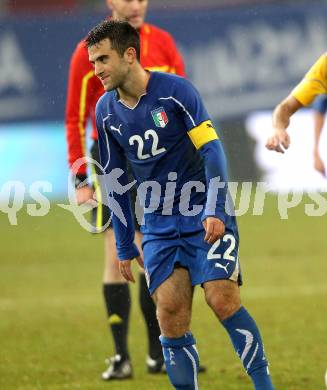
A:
{"points": [[313, 84], [78, 107], [114, 165]]}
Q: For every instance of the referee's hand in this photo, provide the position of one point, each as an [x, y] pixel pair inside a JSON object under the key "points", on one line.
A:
{"points": [[125, 268], [214, 228]]}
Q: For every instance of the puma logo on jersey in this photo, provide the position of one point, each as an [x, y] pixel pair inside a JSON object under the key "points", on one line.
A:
{"points": [[113, 128], [218, 265]]}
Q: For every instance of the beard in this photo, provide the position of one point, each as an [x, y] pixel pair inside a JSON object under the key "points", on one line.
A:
{"points": [[116, 80]]}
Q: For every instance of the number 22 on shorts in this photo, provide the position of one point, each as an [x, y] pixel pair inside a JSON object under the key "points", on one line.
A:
{"points": [[228, 252]]}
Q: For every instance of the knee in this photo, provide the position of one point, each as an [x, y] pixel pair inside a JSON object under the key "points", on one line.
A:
{"points": [[173, 317], [222, 307], [166, 309], [224, 302]]}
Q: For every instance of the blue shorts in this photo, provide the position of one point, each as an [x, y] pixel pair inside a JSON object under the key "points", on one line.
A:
{"points": [[177, 239]]}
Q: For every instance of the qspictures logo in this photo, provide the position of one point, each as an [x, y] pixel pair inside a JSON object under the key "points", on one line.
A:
{"points": [[250, 198]]}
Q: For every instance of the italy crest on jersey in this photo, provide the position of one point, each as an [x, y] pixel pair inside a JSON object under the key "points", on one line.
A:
{"points": [[160, 117]]}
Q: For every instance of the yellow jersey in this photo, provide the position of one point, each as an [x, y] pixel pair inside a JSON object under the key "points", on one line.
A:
{"points": [[314, 82]]}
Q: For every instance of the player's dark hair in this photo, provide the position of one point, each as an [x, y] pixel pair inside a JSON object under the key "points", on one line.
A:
{"points": [[121, 35]]}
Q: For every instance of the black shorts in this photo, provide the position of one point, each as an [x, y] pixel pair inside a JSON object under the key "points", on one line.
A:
{"points": [[101, 214]]}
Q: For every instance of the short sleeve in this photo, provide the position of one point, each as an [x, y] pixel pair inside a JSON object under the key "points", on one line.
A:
{"points": [[313, 84]]}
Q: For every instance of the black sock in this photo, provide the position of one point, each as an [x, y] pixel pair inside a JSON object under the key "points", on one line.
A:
{"points": [[118, 303], [149, 313]]}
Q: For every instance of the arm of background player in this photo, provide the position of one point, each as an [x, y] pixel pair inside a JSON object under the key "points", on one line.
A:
{"points": [[111, 157], [177, 62], [280, 140], [313, 84], [78, 107]]}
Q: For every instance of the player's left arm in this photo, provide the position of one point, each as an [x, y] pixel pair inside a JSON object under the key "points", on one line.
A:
{"points": [[217, 179], [206, 141]]}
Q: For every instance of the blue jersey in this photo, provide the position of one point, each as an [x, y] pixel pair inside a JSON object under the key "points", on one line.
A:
{"points": [[170, 142]]}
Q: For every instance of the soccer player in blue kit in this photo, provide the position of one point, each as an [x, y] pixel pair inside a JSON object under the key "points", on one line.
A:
{"points": [[158, 123]]}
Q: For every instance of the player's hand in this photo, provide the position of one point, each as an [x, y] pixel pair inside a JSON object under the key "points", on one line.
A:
{"points": [[319, 164], [214, 228], [125, 268], [85, 195], [279, 141]]}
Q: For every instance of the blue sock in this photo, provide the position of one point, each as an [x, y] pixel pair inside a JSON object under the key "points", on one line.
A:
{"points": [[247, 342], [182, 361]]}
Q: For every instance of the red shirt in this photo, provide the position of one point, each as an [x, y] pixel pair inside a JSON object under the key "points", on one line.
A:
{"points": [[158, 52]]}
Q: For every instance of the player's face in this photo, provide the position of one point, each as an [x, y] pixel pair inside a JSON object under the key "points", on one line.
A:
{"points": [[132, 11], [109, 66]]}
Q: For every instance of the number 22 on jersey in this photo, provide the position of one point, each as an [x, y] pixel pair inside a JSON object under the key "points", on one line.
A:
{"points": [[148, 136]]}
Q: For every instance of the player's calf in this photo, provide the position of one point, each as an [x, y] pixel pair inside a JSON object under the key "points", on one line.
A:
{"points": [[248, 345], [224, 298], [182, 361]]}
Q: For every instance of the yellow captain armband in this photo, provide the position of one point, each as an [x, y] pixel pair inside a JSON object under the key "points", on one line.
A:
{"points": [[202, 134]]}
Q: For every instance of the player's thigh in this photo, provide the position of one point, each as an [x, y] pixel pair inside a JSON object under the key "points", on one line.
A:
{"points": [[223, 296], [175, 293]]}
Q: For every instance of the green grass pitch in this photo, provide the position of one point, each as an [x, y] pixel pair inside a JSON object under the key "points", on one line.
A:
{"points": [[52, 320]]}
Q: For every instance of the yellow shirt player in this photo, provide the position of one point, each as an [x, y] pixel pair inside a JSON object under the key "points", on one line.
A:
{"points": [[313, 84]]}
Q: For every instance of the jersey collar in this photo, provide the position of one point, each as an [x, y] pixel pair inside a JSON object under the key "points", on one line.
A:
{"points": [[149, 88]]}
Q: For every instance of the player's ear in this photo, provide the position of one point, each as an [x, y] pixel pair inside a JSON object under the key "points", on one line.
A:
{"points": [[130, 55]]}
